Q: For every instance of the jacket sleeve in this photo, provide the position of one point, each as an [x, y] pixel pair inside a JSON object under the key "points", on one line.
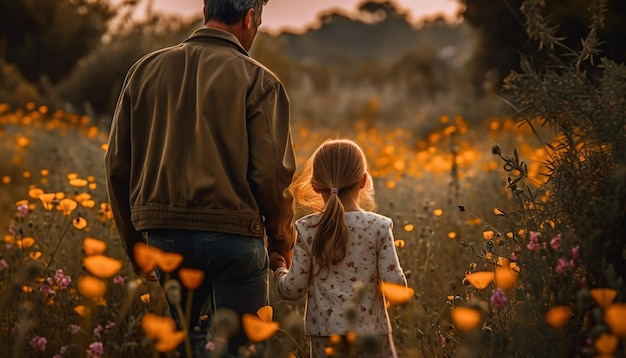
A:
{"points": [[388, 262], [117, 161], [272, 163]]}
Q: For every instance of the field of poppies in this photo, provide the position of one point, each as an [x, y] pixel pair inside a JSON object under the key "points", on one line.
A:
{"points": [[510, 229], [68, 289]]}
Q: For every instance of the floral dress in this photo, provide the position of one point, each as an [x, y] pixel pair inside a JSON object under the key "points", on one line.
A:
{"points": [[347, 298]]}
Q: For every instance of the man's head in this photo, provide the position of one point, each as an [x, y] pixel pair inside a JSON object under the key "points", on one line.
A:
{"points": [[241, 17]]}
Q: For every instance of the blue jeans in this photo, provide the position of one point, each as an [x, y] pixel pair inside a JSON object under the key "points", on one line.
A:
{"points": [[236, 278]]}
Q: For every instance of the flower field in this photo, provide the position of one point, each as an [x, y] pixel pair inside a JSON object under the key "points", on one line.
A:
{"points": [[478, 283]]}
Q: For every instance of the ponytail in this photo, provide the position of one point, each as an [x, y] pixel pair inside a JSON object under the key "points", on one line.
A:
{"points": [[331, 236]]}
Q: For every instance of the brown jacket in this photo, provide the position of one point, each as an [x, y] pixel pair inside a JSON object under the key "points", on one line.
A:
{"points": [[200, 140]]}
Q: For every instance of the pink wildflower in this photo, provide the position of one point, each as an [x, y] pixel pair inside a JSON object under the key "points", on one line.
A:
{"points": [[39, 343], [498, 298], [574, 252], [441, 340], [73, 328], [563, 265], [3, 264], [65, 282], [22, 210], [555, 243], [252, 350], [47, 287], [534, 241], [534, 236], [210, 346], [61, 279], [98, 331], [118, 280], [95, 350]]}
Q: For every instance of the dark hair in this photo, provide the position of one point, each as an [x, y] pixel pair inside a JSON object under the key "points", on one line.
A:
{"points": [[231, 11]]}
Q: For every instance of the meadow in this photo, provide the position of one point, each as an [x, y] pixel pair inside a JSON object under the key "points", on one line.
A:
{"points": [[68, 290], [509, 227], [419, 182]]}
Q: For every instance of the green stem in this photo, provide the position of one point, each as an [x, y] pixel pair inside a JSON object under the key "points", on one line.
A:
{"points": [[179, 310], [294, 342], [56, 249]]}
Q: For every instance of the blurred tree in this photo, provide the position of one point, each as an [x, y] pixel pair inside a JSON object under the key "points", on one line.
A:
{"points": [[44, 39], [501, 35], [95, 82]]}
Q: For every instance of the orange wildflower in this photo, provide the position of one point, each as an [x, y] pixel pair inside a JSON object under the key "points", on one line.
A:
{"points": [[169, 261], [192, 278], [93, 246], [260, 327], [615, 318], [102, 266], [396, 293], [603, 296], [46, 200], [558, 316], [79, 222], [146, 256], [67, 206], [91, 287], [480, 279], [466, 318]]}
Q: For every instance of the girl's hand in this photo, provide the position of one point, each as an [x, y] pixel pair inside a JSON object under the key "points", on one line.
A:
{"points": [[277, 260]]}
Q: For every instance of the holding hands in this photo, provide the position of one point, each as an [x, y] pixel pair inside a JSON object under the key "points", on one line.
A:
{"points": [[277, 260]]}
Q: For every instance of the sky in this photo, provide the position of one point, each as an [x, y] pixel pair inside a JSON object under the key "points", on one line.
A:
{"points": [[295, 15]]}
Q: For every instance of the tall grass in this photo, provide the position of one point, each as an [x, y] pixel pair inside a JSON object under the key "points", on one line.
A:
{"points": [[511, 250]]}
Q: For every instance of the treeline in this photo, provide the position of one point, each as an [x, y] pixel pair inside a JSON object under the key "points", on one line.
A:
{"points": [[73, 54]]}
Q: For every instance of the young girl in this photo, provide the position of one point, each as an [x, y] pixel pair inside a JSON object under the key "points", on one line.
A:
{"points": [[341, 254]]}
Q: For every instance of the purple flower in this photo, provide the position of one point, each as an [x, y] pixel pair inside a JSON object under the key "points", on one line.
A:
{"points": [[39, 343], [574, 252], [58, 275], [22, 210], [534, 236], [555, 243], [498, 298], [98, 331], [95, 350], [534, 241], [210, 346], [74, 328], [47, 288], [3, 264], [118, 280], [64, 282], [563, 265]]}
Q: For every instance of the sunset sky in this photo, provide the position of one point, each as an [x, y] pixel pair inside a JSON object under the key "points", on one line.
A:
{"points": [[295, 14]]}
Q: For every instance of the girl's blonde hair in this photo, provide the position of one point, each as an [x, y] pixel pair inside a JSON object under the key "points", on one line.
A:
{"points": [[337, 168]]}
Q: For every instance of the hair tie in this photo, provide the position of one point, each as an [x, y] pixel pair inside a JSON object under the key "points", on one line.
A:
{"points": [[334, 191]]}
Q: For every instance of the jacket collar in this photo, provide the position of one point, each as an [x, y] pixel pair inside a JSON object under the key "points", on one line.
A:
{"points": [[213, 35]]}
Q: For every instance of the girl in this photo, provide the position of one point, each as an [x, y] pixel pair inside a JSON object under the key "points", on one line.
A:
{"points": [[342, 252]]}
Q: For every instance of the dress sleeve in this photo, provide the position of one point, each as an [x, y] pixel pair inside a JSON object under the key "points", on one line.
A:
{"points": [[388, 263], [293, 284]]}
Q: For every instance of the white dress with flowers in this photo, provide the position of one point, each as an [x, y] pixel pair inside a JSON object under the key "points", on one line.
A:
{"points": [[352, 285]]}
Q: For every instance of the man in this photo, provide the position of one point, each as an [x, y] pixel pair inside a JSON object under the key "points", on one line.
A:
{"points": [[200, 159]]}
